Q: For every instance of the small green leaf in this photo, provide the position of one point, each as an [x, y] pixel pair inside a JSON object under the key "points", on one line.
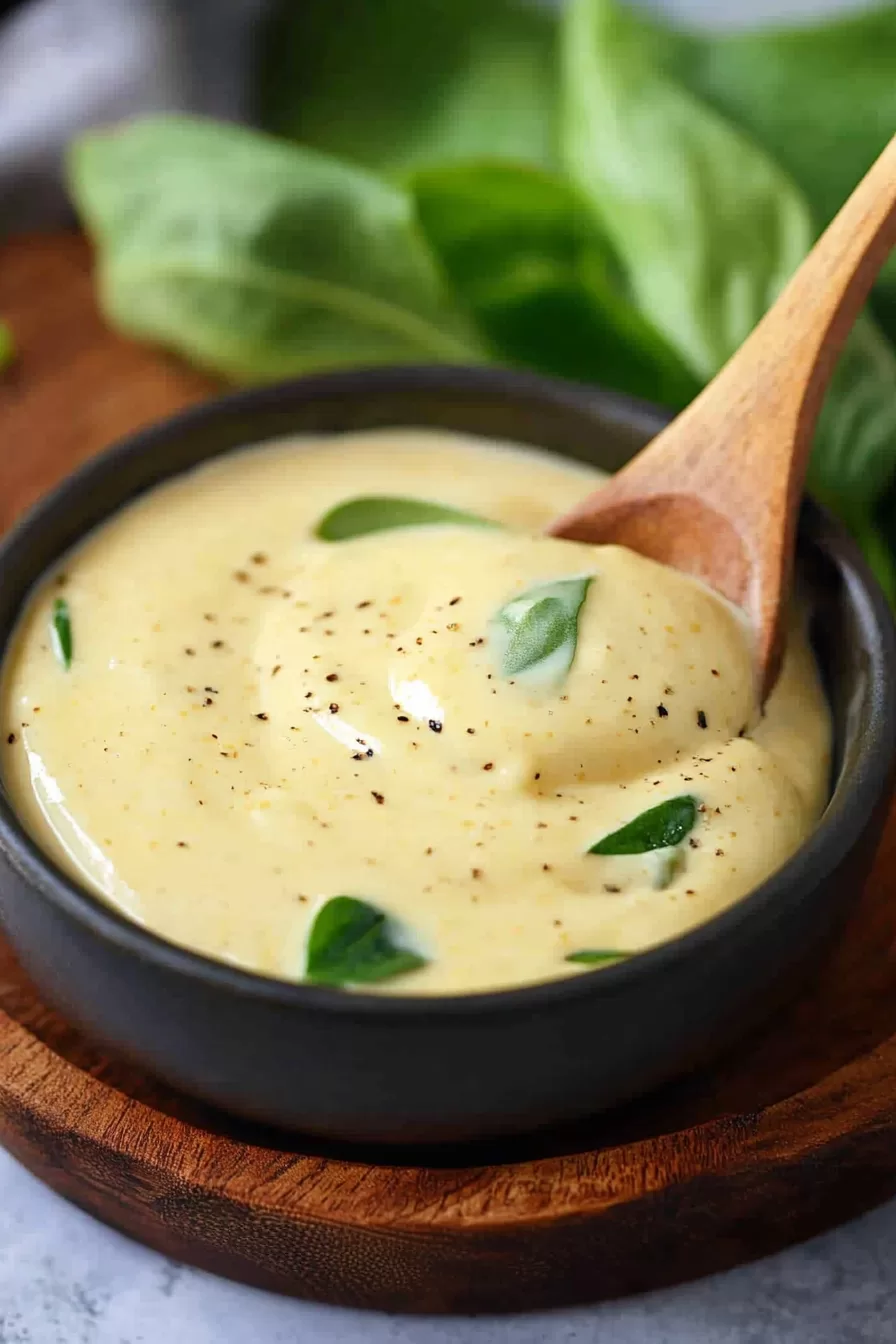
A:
{"points": [[381, 513], [538, 631], [596, 957], [7, 346], [350, 944], [657, 828], [61, 632]]}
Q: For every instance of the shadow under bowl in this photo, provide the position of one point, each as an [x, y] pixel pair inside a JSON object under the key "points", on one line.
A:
{"points": [[414, 1069]]}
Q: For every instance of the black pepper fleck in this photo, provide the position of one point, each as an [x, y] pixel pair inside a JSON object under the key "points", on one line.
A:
{"points": [[378, 796], [261, 716], [662, 711], [334, 708], [701, 719], [435, 725]]}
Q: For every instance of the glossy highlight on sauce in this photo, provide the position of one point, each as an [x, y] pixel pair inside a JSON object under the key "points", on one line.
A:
{"points": [[255, 721]]}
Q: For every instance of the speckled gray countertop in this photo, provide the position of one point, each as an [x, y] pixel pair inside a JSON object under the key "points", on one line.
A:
{"points": [[64, 1279]]}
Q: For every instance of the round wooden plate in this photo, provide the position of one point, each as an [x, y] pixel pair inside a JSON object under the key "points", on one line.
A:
{"points": [[791, 1133]]}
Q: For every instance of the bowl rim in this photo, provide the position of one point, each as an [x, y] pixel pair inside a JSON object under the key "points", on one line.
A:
{"points": [[862, 783]]}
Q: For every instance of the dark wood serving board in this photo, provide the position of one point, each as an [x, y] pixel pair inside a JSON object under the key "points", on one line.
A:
{"points": [[793, 1132]]}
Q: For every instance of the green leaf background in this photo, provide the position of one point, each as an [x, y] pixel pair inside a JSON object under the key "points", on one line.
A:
{"points": [[591, 193], [257, 258]]}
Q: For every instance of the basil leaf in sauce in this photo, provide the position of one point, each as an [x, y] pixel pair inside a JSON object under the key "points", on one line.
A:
{"points": [[381, 513], [61, 632], [350, 943], [595, 957], [538, 631], [658, 828]]}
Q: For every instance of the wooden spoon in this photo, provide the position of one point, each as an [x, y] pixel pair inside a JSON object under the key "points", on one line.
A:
{"points": [[717, 493]]}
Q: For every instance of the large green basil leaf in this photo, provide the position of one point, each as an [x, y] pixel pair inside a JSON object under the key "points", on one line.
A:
{"points": [[382, 513], [820, 96], [350, 944], [707, 225], [537, 632], [525, 253], [396, 83], [710, 229], [659, 827], [256, 258]]}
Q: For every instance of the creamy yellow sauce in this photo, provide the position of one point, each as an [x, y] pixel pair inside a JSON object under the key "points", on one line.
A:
{"points": [[205, 763]]}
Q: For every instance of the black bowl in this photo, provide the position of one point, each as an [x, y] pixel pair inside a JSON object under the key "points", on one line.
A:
{"points": [[414, 1069]]}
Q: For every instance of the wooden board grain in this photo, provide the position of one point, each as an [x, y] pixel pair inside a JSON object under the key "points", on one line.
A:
{"points": [[793, 1133]]}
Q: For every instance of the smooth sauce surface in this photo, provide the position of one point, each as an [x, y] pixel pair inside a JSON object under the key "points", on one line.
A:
{"points": [[206, 762]]}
